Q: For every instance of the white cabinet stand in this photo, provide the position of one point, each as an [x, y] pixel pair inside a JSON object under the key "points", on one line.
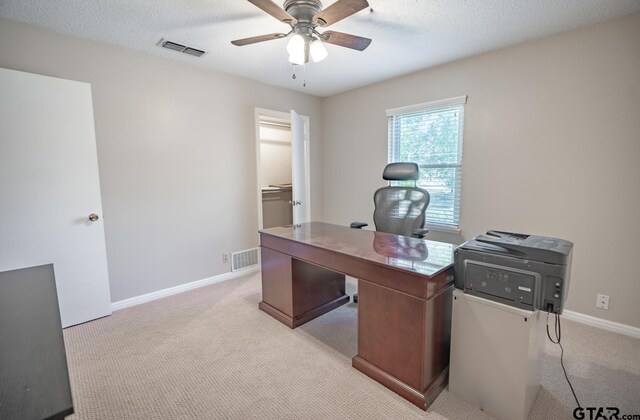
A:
{"points": [[496, 356]]}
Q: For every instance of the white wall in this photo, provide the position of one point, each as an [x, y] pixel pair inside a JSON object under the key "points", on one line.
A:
{"points": [[176, 150], [551, 147], [275, 156]]}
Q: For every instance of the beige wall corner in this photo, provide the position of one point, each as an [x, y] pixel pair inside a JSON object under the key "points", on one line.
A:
{"points": [[176, 151], [551, 147]]}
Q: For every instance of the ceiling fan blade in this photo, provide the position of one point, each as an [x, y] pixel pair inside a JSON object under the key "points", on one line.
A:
{"points": [[274, 10], [346, 40], [256, 39], [338, 11]]}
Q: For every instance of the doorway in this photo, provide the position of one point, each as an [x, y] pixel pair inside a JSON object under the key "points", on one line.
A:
{"points": [[282, 163]]}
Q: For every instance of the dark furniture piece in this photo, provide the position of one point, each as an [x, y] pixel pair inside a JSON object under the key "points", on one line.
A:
{"points": [[405, 285], [34, 380], [399, 209]]}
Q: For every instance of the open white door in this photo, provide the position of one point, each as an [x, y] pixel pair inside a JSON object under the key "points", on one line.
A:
{"points": [[49, 186], [299, 166]]}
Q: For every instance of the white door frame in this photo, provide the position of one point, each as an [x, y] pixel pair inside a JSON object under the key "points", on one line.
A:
{"points": [[263, 112]]}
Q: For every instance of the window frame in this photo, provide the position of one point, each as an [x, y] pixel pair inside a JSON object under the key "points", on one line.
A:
{"points": [[393, 149]]}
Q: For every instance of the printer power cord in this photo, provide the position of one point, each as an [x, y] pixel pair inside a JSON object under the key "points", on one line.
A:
{"points": [[558, 334]]}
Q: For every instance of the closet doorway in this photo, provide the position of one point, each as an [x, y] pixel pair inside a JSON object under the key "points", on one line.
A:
{"points": [[282, 157]]}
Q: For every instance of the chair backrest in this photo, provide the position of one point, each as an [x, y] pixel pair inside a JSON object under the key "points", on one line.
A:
{"points": [[400, 209]]}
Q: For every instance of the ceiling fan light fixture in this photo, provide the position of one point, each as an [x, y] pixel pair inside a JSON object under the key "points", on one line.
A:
{"points": [[296, 59], [317, 50], [298, 49], [296, 45], [303, 17]]}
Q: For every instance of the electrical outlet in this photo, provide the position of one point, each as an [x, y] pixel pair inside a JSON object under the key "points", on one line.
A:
{"points": [[225, 258], [602, 302]]}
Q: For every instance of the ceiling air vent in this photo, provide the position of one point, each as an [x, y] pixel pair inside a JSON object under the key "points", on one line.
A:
{"points": [[181, 48], [193, 51]]}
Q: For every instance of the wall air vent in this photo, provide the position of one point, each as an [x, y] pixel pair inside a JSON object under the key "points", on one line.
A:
{"points": [[244, 259], [181, 48]]}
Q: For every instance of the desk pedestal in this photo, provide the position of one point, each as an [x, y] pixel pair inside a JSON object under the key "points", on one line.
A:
{"points": [[403, 339], [295, 292]]}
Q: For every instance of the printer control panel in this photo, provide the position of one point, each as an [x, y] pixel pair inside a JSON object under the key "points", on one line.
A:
{"points": [[502, 282]]}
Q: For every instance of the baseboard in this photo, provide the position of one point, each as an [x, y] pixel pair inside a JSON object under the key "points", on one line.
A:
{"points": [[592, 321], [159, 294], [602, 323]]}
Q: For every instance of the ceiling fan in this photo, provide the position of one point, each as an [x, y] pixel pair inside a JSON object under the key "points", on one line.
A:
{"points": [[304, 16]]}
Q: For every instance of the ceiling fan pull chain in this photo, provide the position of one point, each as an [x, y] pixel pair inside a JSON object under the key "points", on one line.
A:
{"points": [[293, 76], [304, 71]]}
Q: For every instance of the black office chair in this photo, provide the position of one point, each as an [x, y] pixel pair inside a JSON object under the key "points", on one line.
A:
{"points": [[399, 209]]}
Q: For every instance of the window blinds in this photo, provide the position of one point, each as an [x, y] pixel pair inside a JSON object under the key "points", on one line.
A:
{"points": [[431, 134]]}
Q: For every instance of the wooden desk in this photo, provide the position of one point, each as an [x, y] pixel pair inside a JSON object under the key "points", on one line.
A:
{"points": [[405, 288]]}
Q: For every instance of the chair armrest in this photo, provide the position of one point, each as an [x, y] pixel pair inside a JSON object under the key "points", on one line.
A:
{"points": [[419, 233], [358, 225]]}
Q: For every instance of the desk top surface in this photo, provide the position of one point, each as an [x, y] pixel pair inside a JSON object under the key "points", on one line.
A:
{"points": [[402, 252], [34, 379]]}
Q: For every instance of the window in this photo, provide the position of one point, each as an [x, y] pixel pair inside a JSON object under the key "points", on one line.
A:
{"points": [[430, 134]]}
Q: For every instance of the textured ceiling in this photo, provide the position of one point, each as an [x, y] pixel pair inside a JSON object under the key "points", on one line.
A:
{"points": [[408, 35]]}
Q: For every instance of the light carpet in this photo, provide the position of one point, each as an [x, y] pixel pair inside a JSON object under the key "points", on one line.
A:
{"points": [[211, 354]]}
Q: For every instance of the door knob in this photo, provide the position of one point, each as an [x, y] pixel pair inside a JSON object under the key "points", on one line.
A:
{"points": [[93, 217]]}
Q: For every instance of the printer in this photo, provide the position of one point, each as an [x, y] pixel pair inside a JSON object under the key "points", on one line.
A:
{"points": [[525, 271]]}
